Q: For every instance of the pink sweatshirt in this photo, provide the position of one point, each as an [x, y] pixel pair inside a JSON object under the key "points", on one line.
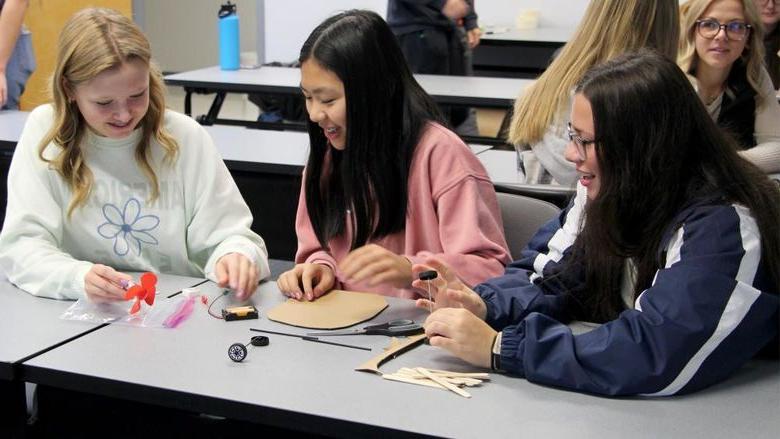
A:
{"points": [[452, 214]]}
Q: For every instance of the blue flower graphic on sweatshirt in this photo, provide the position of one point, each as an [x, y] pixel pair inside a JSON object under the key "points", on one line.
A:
{"points": [[127, 227]]}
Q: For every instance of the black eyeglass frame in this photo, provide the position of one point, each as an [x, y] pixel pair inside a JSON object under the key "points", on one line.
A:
{"points": [[580, 142], [725, 28]]}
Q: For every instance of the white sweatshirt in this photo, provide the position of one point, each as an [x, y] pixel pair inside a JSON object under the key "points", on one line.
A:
{"points": [[198, 217]]}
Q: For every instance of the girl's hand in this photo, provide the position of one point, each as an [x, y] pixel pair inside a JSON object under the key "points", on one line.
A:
{"points": [[461, 333], [238, 272], [378, 266], [447, 290], [308, 281], [104, 284]]}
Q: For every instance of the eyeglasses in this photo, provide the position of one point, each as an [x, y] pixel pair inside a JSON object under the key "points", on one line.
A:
{"points": [[735, 30], [579, 142]]}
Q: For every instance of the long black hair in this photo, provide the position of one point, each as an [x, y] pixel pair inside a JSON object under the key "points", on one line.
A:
{"points": [[658, 150], [386, 113]]}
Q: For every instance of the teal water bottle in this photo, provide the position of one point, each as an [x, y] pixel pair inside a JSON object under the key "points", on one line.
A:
{"points": [[229, 51]]}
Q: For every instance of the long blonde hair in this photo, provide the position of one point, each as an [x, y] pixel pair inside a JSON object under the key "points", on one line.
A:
{"points": [[752, 56], [609, 28], [95, 40]]}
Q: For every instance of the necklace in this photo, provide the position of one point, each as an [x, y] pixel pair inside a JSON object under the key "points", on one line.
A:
{"points": [[709, 98]]}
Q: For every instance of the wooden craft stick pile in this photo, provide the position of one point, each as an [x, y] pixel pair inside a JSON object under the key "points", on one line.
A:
{"points": [[442, 379]]}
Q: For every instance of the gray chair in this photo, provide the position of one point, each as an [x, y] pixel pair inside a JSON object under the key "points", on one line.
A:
{"points": [[522, 217]]}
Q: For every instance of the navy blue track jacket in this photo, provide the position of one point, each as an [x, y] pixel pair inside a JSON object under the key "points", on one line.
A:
{"points": [[708, 311]]}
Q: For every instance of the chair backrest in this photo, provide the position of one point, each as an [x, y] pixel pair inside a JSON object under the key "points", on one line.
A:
{"points": [[557, 195], [522, 217]]}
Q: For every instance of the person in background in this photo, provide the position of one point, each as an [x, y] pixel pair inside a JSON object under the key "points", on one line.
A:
{"points": [[106, 179], [17, 61], [608, 29], [722, 52], [770, 16], [671, 250], [430, 33], [386, 185]]}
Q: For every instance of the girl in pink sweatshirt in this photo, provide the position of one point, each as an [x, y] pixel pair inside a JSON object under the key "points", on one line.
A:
{"points": [[386, 185]]}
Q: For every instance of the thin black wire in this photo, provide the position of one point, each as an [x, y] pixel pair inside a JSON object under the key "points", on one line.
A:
{"points": [[216, 299]]}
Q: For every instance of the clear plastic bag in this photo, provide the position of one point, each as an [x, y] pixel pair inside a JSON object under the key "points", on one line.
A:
{"points": [[165, 313]]}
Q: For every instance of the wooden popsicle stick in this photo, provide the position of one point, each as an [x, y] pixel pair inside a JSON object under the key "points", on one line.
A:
{"points": [[444, 383], [403, 379], [470, 382], [481, 375], [444, 374]]}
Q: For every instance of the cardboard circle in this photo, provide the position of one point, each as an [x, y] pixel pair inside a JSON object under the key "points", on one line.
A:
{"points": [[335, 310]]}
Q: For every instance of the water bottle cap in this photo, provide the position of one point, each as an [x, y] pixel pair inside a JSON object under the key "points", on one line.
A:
{"points": [[227, 9]]}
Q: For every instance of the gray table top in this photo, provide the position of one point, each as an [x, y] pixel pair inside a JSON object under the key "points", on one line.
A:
{"points": [[31, 324], [289, 148], [468, 90], [300, 384]]}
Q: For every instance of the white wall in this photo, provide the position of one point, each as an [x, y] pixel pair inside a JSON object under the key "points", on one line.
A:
{"points": [[289, 22], [551, 12], [287, 30], [184, 32]]}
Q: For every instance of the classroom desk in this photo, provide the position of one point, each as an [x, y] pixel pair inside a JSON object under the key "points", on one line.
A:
{"points": [[11, 124], [448, 90], [507, 51], [31, 325], [312, 387], [279, 152]]}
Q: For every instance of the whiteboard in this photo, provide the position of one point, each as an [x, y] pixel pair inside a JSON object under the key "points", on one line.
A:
{"points": [[289, 22]]}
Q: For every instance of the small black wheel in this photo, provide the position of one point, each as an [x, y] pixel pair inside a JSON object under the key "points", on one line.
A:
{"points": [[237, 352], [259, 340]]}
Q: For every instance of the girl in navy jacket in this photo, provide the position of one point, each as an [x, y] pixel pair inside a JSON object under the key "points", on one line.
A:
{"points": [[671, 247]]}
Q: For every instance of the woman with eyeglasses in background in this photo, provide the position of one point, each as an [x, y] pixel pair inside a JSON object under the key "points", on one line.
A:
{"points": [[721, 49], [770, 16]]}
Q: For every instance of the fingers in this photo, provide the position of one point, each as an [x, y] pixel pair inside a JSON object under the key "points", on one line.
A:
{"points": [[306, 281], [317, 280], [372, 270], [247, 279], [424, 304], [325, 284], [461, 333], [103, 283], [439, 323], [376, 265], [221, 273], [289, 283], [357, 259], [308, 276], [252, 280], [238, 272]]}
